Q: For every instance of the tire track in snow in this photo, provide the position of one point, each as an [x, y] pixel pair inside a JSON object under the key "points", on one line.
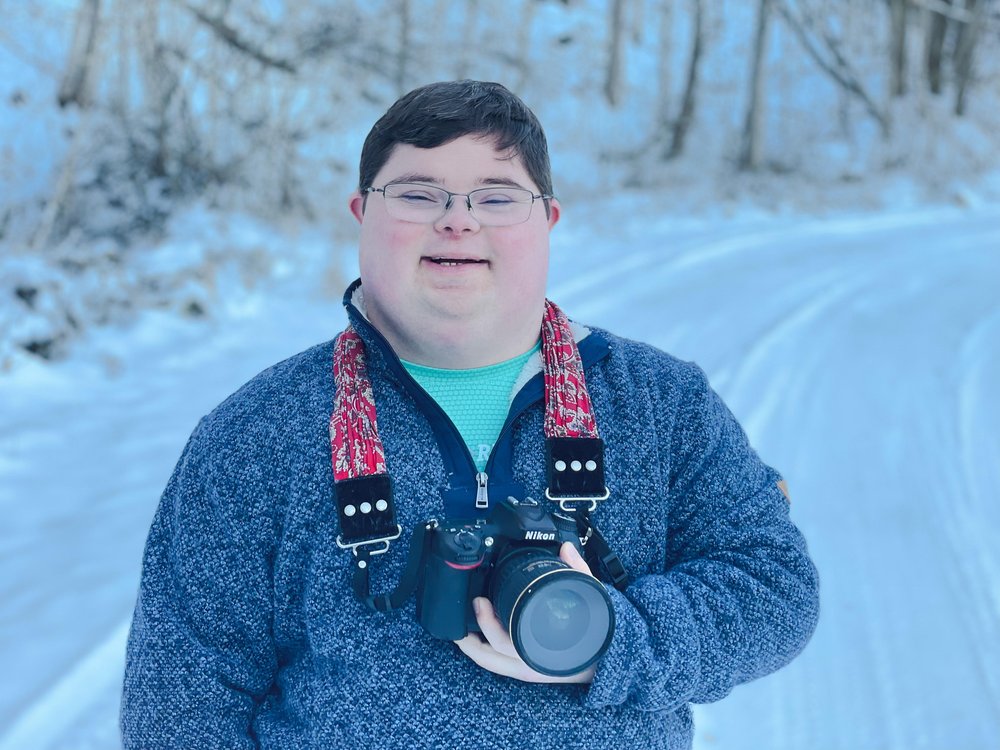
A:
{"points": [[759, 389], [902, 721], [975, 520]]}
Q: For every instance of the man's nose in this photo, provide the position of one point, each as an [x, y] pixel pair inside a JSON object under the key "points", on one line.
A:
{"points": [[457, 216]]}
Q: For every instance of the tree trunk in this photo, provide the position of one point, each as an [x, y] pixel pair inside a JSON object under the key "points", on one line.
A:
{"points": [[968, 35], [523, 45], [936, 31], [75, 85], [683, 122], [160, 83], [663, 65], [897, 46], [465, 48], [403, 53], [750, 148], [613, 75]]}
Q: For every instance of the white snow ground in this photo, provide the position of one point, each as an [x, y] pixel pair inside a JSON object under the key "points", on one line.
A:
{"points": [[862, 353]]}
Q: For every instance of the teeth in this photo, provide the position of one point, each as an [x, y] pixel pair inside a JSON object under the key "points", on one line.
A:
{"points": [[446, 262]]}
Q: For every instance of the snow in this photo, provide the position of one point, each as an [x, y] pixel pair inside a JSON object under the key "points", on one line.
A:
{"points": [[861, 352], [845, 301]]}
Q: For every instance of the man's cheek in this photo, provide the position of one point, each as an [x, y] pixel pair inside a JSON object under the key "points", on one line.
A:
{"points": [[404, 236]]}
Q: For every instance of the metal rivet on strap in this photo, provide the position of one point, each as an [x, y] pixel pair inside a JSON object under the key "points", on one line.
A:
{"points": [[591, 465], [560, 466], [576, 466], [381, 505], [366, 507], [350, 510]]}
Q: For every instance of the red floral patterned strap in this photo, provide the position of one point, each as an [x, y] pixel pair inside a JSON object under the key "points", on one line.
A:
{"points": [[354, 441], [568, 412]]}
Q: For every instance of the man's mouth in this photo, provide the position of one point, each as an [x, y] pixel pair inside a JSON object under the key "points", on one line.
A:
{"points": [[453, 261]]}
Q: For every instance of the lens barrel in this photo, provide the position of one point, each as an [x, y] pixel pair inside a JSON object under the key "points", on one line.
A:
{"points": [[560, 620]]}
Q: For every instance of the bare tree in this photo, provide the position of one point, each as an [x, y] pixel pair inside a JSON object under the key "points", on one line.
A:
{"points": [[683, 122], [76, 81], [751, 142], [663, 65], [937, 28], [897, 46], [233, 38], [523, 45], [403, 52], [828, 54], [613, 73], [466, 49], [968, 35]]}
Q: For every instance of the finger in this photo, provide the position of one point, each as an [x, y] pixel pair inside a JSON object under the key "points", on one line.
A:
{"points": [[487, 657], [571, 556], [492, 628]]}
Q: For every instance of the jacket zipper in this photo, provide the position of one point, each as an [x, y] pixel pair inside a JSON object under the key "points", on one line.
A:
{"points": [[481, 477], [482, 493]]}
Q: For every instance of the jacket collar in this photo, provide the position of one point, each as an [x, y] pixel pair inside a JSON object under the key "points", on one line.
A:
{"points": [[592, 345]]}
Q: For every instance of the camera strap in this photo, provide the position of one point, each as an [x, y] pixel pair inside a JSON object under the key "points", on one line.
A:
{"points": [[363, 487], [603, 561], [419, 541], [574, 452]]}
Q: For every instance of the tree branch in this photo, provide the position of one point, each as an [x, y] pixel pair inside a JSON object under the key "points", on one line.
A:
{"points": [[941, 8], [232, 37], [839, 69]]}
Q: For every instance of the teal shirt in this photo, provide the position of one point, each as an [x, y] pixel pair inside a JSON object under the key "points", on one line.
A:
{"points": [[476, 400]]}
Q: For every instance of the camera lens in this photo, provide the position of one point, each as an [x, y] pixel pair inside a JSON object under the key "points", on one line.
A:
{"points": [[560, 620]]}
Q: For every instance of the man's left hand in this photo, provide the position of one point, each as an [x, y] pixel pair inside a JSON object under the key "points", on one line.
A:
{"points": [[495, 651]]}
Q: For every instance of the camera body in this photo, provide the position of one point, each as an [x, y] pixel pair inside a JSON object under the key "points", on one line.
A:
{"points": [[560, 620]]}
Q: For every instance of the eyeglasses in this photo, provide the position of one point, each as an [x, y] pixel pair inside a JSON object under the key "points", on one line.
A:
{"points": [[425, 204]]}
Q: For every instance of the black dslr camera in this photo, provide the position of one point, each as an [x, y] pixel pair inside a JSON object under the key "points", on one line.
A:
{"points": [[560, 620]]}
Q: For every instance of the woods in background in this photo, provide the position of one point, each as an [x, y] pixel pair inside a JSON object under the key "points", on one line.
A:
{"points": [[197, 94], [255, 106]]}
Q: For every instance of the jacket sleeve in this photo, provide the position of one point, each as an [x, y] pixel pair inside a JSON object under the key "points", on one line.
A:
{"points": [[200, 655], [739, 595]]}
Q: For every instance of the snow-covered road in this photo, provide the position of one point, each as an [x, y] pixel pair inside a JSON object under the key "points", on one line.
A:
{"points": [[861, 353]]}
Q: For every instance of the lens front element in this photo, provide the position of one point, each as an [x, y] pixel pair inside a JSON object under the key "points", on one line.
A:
{"points": [[560, 620]]}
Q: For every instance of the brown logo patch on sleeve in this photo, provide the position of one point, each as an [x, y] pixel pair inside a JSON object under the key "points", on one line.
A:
{"points": [[783, 486]]}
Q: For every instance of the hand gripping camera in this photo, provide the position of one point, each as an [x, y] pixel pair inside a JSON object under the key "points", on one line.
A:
{"points": [[560, 620]]}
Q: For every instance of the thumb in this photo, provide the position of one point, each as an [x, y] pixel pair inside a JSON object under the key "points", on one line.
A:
{"points": [[571, 556]]}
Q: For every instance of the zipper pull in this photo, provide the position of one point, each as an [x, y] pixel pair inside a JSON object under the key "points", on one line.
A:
{"points": [[482, 497]]}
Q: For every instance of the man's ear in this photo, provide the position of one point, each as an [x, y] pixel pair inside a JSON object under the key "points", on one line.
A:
{"points": [[356, 203], [554, 212]]}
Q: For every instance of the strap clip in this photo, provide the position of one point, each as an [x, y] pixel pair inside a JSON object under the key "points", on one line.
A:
{"points": [[384, 541], [575, 470]]}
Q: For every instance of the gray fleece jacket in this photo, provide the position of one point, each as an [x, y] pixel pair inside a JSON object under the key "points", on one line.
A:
{"points": [[246, 632]]}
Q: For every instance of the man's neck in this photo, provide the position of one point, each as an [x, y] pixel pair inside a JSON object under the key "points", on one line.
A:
{"points": [[457, 345], [461, 352], [454, 342]]}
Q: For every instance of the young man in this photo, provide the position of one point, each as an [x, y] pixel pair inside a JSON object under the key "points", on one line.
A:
{"points": [[454, 379]]}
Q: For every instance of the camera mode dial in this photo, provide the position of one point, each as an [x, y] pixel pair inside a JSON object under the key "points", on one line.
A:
{"points": [[461, 547]]}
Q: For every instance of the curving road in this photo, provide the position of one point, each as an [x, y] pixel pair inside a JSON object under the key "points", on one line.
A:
{"points": [[861, 353], [863, 357]]}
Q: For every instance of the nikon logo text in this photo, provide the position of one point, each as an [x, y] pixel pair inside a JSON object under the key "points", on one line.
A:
{"points": [[542, 536]]}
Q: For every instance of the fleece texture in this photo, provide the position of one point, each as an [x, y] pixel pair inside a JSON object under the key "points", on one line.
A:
{"points": [[476, 400], [246, 633]]}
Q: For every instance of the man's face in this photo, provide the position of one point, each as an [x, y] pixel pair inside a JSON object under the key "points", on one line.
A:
{"points": [[455, 277]]}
